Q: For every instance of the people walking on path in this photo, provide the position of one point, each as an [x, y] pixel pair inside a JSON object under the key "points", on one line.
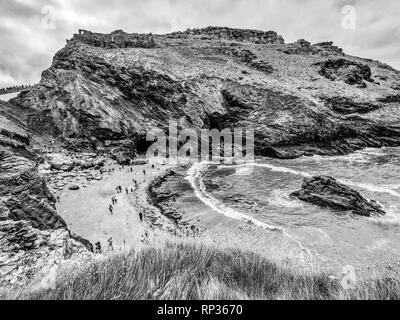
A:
{"points": [[111, 209]]}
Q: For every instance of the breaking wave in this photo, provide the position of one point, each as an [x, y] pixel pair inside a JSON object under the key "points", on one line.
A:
{"points": [[195, 178]]}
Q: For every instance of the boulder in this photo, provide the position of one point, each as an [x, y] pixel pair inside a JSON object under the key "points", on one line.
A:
{"points": [[327, 192], [59, 161], [74, 187], [139, 162]]}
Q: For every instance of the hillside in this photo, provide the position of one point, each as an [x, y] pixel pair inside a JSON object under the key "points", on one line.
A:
{"points": [[104, 92]]}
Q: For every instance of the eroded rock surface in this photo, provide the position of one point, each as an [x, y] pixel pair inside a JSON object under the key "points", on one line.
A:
{"points": [[350, 72], [26, 251], [327, 192], [32, 235], [101, 100]]}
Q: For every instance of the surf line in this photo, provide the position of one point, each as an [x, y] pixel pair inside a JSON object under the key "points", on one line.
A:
{"points": [[360, 185], [194, 177]]}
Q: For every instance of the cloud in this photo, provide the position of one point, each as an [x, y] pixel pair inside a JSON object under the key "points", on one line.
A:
{"points": [[27, 48]]}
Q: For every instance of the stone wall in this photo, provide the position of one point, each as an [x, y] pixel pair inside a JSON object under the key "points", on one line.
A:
{"points": [[15, 89], [224, 33], [116, 39]]}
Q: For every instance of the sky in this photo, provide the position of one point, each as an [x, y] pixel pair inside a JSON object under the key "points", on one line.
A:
{"points": [[32, 31]]}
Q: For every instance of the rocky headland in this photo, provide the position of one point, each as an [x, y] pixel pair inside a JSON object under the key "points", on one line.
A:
{"points": [[104, 92]]}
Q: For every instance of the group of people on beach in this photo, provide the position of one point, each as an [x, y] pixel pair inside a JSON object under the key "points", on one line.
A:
{"points": [[98, 248], [114, 202]]}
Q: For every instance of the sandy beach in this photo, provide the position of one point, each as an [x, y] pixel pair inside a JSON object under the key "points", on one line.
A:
{"points": [[87, 213]]}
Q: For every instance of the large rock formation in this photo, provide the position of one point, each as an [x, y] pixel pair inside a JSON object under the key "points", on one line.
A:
{"points": [[102, 100], [327, 192], [32, 234], [116, 39], [224, 33], [25, 252], [302, 46]]}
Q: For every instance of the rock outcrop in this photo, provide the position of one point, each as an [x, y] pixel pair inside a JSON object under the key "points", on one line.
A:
{"points": [[348, 106], [327, 192], [25, 194], [352, 73], [116, 39], [302, 46], [251, 60], [26, 251], [224, 33]]}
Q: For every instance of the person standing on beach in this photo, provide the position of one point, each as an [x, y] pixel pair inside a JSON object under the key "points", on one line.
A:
{"points": [[98, 247], [141, 216], [126, 190], [110, 244], [111, 209], [144, 172]]}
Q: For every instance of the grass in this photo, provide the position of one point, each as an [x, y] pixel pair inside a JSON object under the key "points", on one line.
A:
{"points": [[180, 269]]}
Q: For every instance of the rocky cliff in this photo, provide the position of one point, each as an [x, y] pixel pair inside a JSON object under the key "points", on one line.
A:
{"points": [[32, 234], [104, 92], [299, 98]]}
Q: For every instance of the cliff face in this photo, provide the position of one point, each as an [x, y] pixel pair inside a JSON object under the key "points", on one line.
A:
{"points": [[117, 39], [299, 98], [32, 235]]}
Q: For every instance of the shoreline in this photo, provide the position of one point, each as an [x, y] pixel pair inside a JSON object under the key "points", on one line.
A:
{"points": [[163, 209], [244, 235]]}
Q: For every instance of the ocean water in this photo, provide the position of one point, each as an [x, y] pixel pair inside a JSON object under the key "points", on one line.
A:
{"points": [[260, 194]]}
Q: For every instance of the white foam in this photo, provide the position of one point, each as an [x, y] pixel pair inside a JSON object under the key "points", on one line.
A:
{"points": [[373, 188], [273, 168], [279, 199], [194, 177], [389, 189]]}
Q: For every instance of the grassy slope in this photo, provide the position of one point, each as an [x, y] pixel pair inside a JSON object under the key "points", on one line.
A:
{"points": [[180, 269]]}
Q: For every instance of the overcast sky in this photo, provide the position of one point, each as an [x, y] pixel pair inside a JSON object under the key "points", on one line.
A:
{"points": [[32, 31]]}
